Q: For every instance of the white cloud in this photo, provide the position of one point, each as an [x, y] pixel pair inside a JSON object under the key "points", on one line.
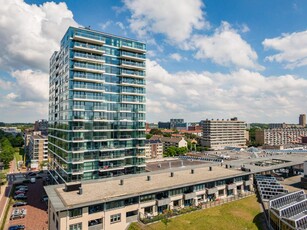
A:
{"points": [[29, 34], [176, 19], [249, 95], [291, 49], [176, 56], [227, 48]]}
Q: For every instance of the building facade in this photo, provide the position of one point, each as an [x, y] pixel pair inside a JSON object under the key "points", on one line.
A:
{"points": [[128, 198], [280, 136], [218, 134], [37, 150], [153, 149], [96, 106]]}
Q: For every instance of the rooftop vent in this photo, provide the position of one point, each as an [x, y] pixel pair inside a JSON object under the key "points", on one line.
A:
{"points": [[192, 171], [148, 178], [121, 182], [210, 168], [72, 186], [80, 190], [172, 174]]}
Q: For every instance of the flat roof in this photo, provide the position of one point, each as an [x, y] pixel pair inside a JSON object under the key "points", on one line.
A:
{"points": [[110, 189], [104, 190]]}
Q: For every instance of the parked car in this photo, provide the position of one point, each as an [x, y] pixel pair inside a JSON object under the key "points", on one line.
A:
{"points": [[45, 198], [33, 180], [22, 189], [18, 204], [18, 214], [20, 197], [21, 186], [19, 192], [17, 227]]}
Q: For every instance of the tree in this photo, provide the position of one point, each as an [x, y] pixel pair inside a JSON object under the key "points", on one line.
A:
{"points": [[155, 132], [170, 151], [148, 136], [181, 150]]}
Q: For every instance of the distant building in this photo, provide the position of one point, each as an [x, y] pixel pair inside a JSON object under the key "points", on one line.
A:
{"points": [[41, 125], [151, 125], [218, 134], [153, 149], [173, 141], [37, 150], [164, 125], [12, 130], [175, 122], [280, 136], [302, 120], [277, 125]]}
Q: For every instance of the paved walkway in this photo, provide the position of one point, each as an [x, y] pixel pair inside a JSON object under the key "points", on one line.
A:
{"points": [[5, 192]]}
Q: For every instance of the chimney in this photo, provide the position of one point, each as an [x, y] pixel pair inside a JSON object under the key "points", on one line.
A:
{"points": [[192, 171], [210, 168], [121, 182], [80, 190], [172, 174], [148, 178]]}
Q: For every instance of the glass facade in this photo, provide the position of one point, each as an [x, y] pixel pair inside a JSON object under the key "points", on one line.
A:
{"points": [[96, 106]]}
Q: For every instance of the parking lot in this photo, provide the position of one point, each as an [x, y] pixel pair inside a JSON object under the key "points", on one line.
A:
{"points": [[36, 210]]}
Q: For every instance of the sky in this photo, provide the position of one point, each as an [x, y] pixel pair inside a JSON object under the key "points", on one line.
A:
{"points": [[210, 59]]}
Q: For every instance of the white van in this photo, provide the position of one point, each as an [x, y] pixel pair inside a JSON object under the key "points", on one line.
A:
{"points": [[33, 180]]}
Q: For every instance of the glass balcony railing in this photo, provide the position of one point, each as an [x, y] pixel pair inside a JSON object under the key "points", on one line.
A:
{"points": [[136, 91], [133, 82], [88, 87], [99, 108], [131, 54], [132, 72], [90, 36], [88, 66], [132, 63], [133, 100], [90, 97], [88, 46], [89, 76], [89, 56], [134, 45]]}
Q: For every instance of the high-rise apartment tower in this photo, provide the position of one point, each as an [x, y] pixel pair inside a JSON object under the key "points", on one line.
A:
{"points": [[96, 106], [302, 120]]}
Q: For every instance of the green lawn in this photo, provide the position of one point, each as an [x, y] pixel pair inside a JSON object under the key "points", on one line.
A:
{"points": [[242, 214]]}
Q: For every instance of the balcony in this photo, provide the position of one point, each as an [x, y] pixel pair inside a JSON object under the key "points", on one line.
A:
{"points": [[77, 160], [78, 149], [98, 89], [77, 139], [89, 77], [133, 101], [140, 84], [111, 156], [88, 98], [100, 138], [88, 48], [100, 118], [133, 92], [132, 56], [106, 168], [164, 201], [88, 58], [99, 108], [132, 74], [132, 48], [77, 128], [231, 186], [88, 68], [189, 196], [133, 65], [93, 39], [97, 128], [76, 171]]}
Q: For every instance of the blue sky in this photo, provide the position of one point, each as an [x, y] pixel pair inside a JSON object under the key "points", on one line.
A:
{"points": [[205, 59]]}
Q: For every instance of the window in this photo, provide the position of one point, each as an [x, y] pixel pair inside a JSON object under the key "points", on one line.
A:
{"points": [[199, 187], [95, 208], [115, 218], [75, 226], [53, 216], [74, 213]]}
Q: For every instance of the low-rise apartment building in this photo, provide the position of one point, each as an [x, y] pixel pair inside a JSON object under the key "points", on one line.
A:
{"points": [[37, 150], [173, 141], [280, 136], [153, 149], [218, 134], [125, 199]]}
